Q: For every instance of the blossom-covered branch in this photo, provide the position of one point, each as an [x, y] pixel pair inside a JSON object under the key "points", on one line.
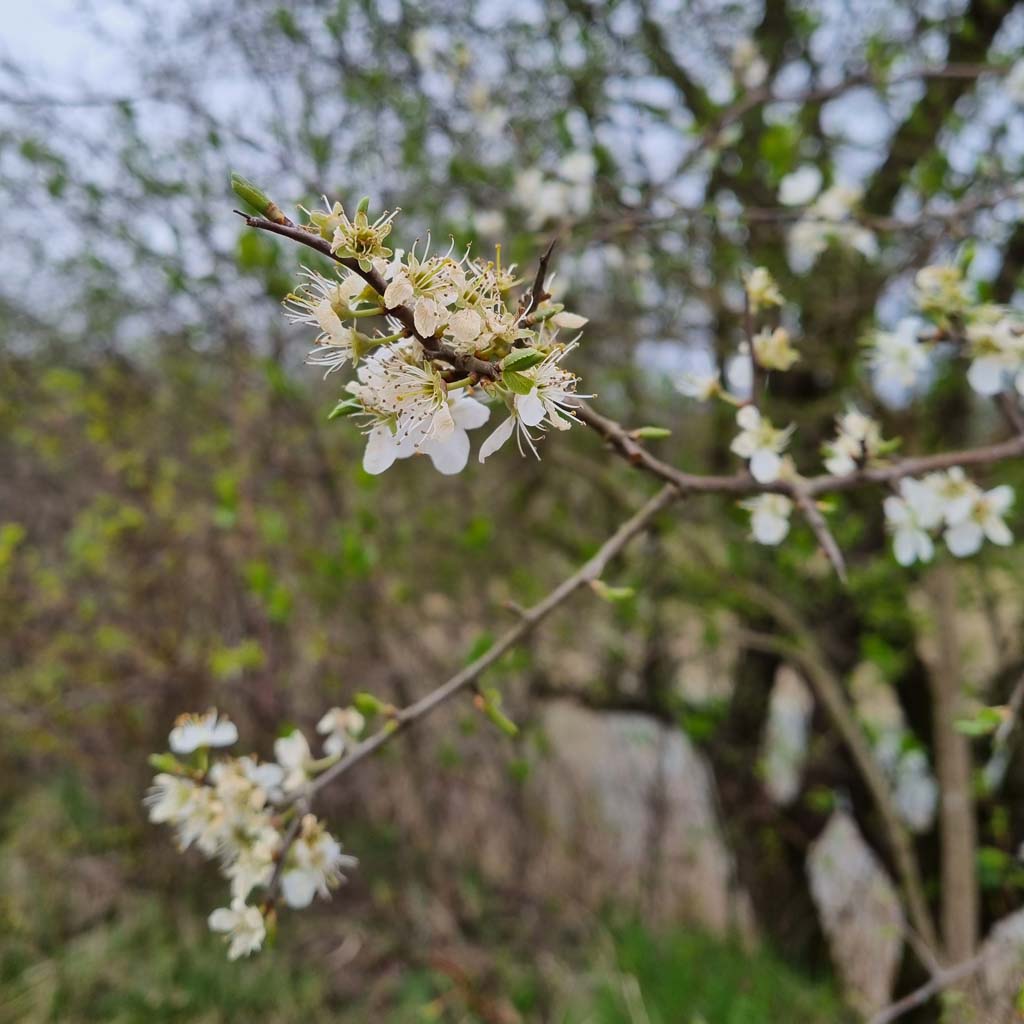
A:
{"points": [[254, 817]]}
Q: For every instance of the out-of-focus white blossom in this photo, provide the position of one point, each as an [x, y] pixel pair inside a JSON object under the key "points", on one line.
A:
{"points": [[799, 187], [701, 386], [940, 290], [829, 219], [338, 726], [237, 811], [948, 500], [567, 193], [750, 68], [295, 758], [762, 291], [761, 443], [774, 349], [858, 440], [251, 860], [910, 516], [995, 341], [898, 356], [769, 517], [244, 926], [191, 732], [170, 799], [314, 865], [983, 520]]}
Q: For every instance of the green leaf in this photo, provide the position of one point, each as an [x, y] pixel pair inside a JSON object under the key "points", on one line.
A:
{"points": [[521, 359], [651, 433], [489, 702], [517, 383], [367, 705], [611, 594], [985, 722], [345, 407], [250, 193]]}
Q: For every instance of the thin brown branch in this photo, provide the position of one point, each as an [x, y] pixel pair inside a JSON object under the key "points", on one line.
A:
{"points": [[939, 981], [529, 618], [538, 293], [819, 527]]}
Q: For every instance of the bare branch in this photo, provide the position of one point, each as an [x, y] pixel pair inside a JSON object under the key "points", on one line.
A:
{"points": [[528, 619], [939, 981], [537, 292]]}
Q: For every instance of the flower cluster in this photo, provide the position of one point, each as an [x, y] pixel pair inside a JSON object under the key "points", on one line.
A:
{"points": [[826, 218], [950, 503], [989, 335], [406, 394], [945, 503], [239, 810], [858, 442]]}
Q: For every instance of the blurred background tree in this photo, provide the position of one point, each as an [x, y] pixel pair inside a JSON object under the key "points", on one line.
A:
{"points": [[182, 527]]}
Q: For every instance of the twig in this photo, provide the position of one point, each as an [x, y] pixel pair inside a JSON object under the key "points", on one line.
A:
{"points": [[816, 521], [537, 292], [942, 979], [530, 617]]}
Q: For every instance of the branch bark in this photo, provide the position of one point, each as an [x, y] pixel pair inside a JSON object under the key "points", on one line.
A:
{"points": [[957, 822]]}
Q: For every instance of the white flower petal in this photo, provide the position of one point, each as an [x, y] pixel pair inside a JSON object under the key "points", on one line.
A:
{"points": [[986, 376], [500, 435], [530, 408], [964, 539], [381, 450], [765, 466], [298, 888], [449, 455], [469, 413]]}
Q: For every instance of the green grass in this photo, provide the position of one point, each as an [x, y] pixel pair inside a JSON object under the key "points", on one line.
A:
{"points": [[685, 978]]}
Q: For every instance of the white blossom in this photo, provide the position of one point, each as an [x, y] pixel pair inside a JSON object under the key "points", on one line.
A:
{"points": [[550, 401], [953, 495], [858, 440], [898, 356], [244, 926], [761, 443], [750, 68], [191, 732], [984, 519], [762, 291], [774, 349], [909, 516], [314, 865], [338, 726], [995, 340], [701, 386], [799, 187], [252, 862], [170, 799], [295, 758], [769, 517], [828, 219], [940, 290]]}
